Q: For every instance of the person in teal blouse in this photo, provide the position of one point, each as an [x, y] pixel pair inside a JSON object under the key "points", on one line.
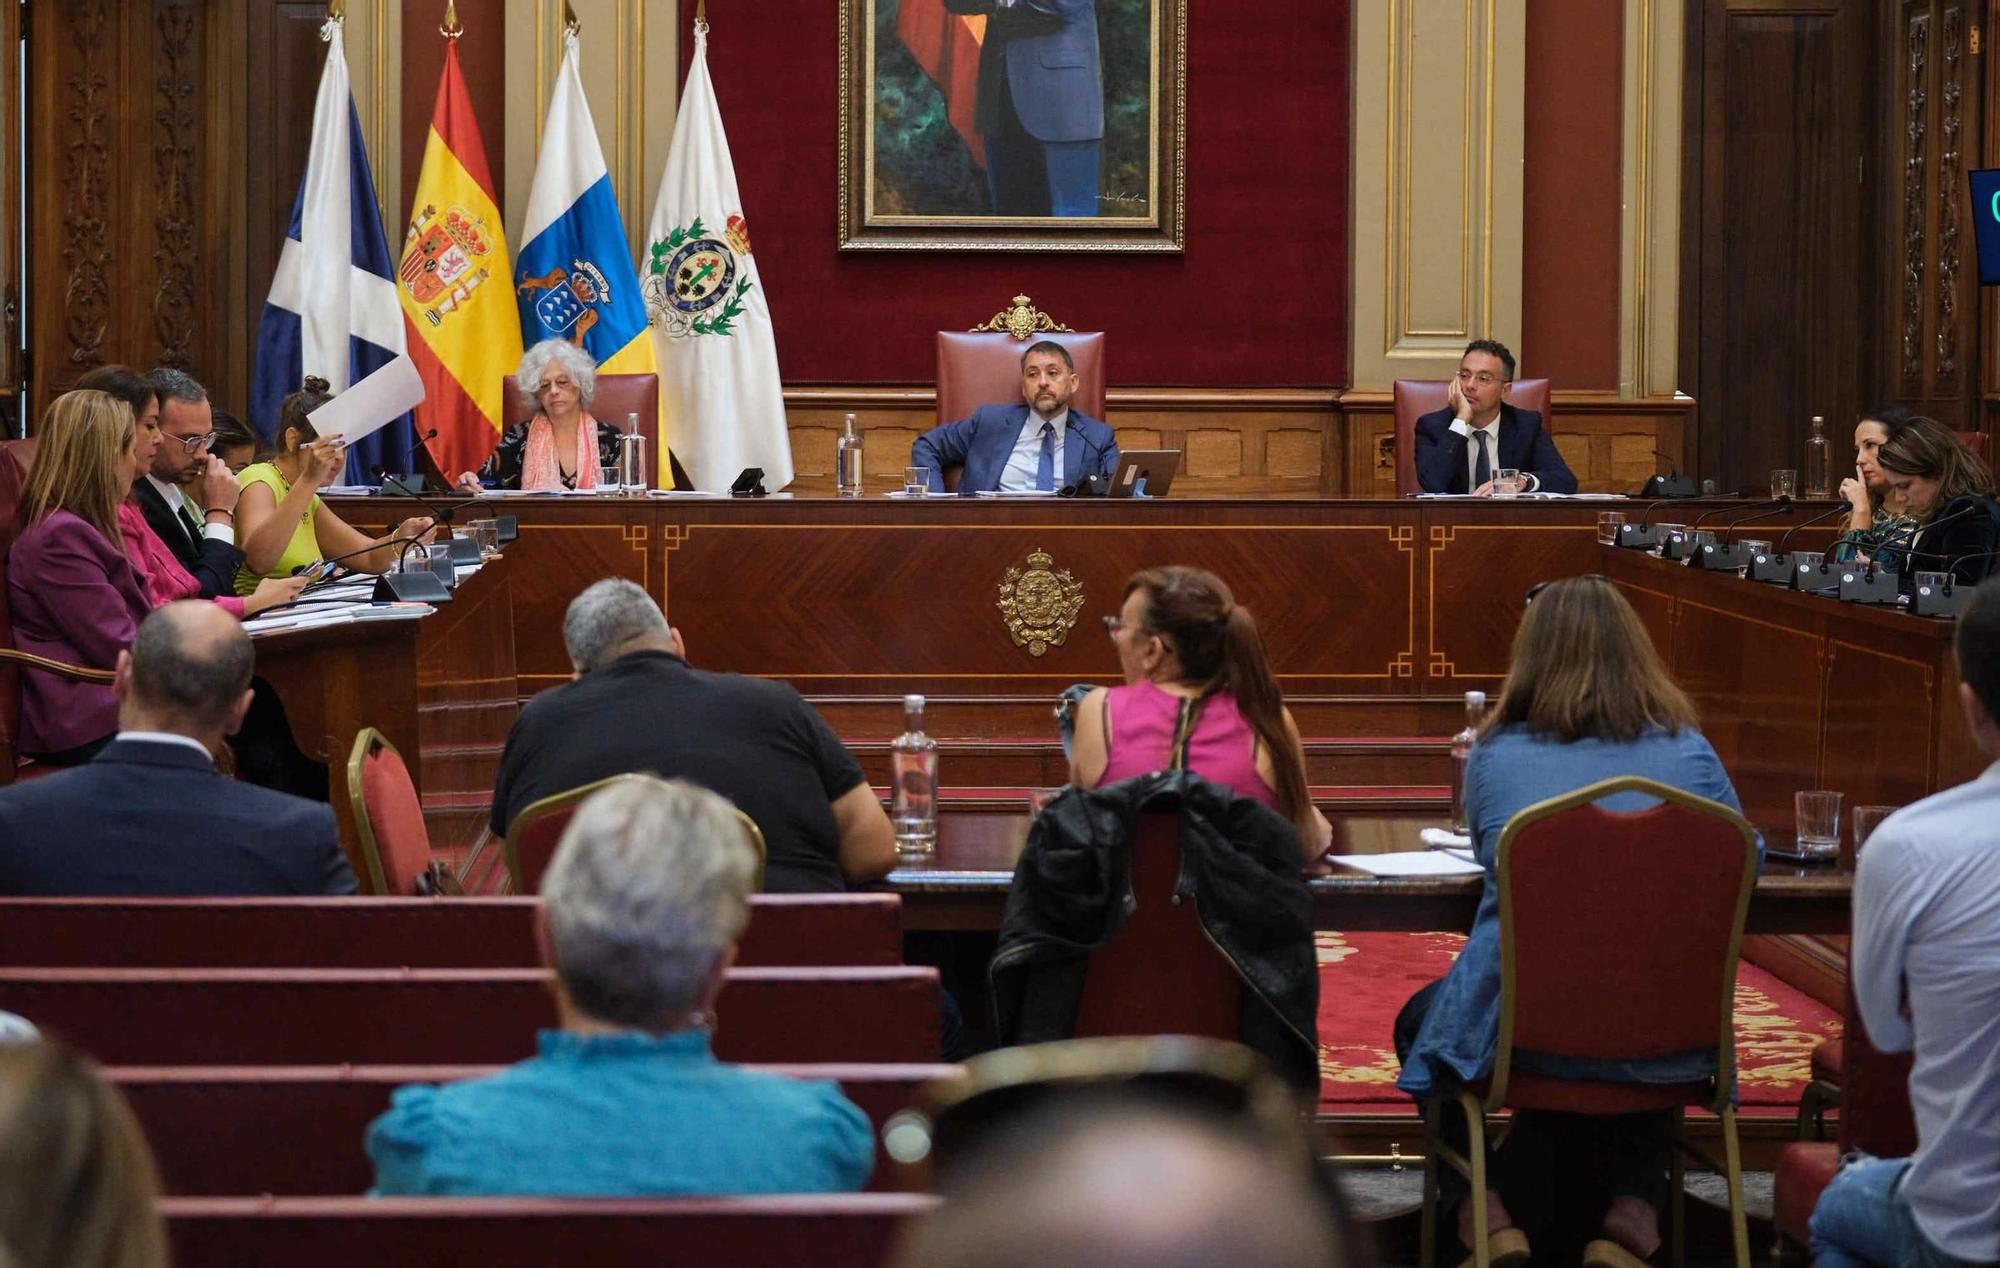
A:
{"points": [[645, 900]]}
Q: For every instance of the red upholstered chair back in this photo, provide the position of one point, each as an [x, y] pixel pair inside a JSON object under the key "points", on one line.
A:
{"points": [[536, 831], [618, 396], [1160, 974], [1874, 1094], [1619, 932], [984, 368], [387, 815], [1975, 441], [1418, 397]]}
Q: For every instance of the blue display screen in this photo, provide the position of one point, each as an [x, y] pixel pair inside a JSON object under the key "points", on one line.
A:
{"points": [[1986, 222]]}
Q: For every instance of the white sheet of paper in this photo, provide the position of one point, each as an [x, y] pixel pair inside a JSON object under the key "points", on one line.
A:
{"points": [[1409, 863], [370, 405]]}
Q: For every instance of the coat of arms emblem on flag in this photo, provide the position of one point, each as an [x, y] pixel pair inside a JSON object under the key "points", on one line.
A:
{"points": [[693, 285], [441, 259]]}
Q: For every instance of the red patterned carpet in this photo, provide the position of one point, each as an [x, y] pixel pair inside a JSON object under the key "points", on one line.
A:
{"points": [[1366, 977]]}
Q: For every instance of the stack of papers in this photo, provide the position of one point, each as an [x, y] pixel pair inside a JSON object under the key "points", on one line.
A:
{"points": [[1411, 863]]}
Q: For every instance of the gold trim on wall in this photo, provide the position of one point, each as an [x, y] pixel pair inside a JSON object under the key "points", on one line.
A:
{"points": [[1649, 235], [1445, 96]]}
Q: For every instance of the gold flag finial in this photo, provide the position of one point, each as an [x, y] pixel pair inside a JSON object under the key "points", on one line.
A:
{"points": [[701, 12], [336, 10], [450, 28], [570, 25]]}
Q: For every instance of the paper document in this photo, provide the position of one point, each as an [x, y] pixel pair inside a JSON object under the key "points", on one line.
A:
{"points": [[1409, 863], [372, 404]]}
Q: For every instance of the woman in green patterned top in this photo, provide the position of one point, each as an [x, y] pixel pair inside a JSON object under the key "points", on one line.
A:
{"points": [[1878, 514]]}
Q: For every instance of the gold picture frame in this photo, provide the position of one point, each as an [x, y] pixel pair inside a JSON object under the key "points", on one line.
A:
{"points": [[933, 158]]}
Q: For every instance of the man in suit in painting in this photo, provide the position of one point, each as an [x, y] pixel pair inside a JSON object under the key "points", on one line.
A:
{"points": [[1040, 108]]}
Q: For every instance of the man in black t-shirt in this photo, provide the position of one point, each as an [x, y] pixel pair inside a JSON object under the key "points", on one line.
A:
{"points": [[637, 705]]}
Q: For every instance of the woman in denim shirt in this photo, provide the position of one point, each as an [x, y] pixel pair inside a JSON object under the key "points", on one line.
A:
{"points": [[644, 902], [1586, 699]]}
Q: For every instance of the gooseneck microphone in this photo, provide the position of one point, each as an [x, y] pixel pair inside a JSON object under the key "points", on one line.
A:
{"points": [[1727, 555], [1083, 486]]}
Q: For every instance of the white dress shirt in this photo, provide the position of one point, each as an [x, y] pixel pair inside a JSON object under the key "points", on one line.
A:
{"points": [[1492, 433], [165, 737], [1927, 930], [175, 498], [1026, 460]]}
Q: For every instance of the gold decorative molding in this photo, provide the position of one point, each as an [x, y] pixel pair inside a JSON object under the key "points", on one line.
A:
{"points": [[1437, 188], [1649, 232], [1020, 321], [1039, 605]]}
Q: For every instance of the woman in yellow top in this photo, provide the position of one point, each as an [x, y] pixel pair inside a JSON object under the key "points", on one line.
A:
{"points": [[280, 521]]}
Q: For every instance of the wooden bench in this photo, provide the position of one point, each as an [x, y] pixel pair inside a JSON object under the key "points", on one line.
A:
{"points": [[219, 1130], [446, 1016], [438, 933], [845, 1231]]}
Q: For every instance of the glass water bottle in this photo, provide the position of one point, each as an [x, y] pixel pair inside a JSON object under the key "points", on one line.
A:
{"points": [[913, 766], [847, 461], [1813, 475], [1461, 748]]}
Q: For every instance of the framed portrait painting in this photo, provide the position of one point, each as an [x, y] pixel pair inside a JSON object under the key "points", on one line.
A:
{"points": [[1012, 124]]}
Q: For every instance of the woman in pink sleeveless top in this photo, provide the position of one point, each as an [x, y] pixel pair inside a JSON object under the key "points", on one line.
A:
{"points": [[1195, 680]]}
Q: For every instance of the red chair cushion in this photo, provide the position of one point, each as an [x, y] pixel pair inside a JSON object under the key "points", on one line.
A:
{"points": [[1532, 1091], [397, 819], [535, 847], [1804, 1171]]}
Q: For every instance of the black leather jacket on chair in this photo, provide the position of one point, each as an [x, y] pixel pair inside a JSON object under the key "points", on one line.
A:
{"points": [[1239, 862]]}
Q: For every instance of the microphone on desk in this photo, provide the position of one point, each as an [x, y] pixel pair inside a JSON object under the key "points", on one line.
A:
{"points": [[1671, 485], [393, 587], [1728, 555], [464, 550], [1777, 567], [1089, 485], [1950, 598], [1643, 536], [407, 485]]}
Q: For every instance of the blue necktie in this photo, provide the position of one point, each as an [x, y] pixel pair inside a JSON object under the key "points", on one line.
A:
{"points": [[1045, 469], [1482, 467]]}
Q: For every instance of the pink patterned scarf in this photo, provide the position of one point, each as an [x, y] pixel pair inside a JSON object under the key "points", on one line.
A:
{"points": [[539, 469]]}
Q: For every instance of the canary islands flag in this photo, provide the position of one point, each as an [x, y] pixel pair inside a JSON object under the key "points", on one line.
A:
{"points": [[455, 285], [574, 277], [332, 307]]}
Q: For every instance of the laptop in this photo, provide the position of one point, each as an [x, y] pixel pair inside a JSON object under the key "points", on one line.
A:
{"points": [[1155, 466]]}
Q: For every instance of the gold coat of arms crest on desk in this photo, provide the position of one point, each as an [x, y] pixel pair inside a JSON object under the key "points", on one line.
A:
{"points": [[1040, 604]]}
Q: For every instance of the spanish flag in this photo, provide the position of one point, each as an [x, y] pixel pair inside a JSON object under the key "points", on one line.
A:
{"points": [[456, 285]]}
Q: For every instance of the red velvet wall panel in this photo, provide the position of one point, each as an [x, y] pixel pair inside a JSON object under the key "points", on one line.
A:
{"points": [[482, 58], [1572, 120], [1258, 297]]}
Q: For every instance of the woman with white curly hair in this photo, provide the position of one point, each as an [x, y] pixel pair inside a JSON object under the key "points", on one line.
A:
{"points": [[562, 446]]}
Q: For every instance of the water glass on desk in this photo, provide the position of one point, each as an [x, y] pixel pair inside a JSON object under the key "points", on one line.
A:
{"points": [[1608, 524], [1866, 820], [609, 481], [486, 533], [916, 481], [1784, 482], [1507, 483], [1818, 818]]}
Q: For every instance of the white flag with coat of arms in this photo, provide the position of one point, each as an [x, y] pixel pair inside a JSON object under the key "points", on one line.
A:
{"points": [[721, 396]]}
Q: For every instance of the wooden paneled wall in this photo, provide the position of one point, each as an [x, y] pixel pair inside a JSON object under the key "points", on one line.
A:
{"points": [[128, 156]]}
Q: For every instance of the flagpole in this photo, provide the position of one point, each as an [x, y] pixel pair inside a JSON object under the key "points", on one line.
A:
{"points": [[570, 24]]}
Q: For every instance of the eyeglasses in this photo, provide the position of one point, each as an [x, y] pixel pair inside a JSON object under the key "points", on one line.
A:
{"points": [[1114, 625], [1483, 378], [195, 444]]}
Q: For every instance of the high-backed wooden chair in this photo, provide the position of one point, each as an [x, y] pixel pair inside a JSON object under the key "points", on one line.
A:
{"points": [[388, 816], [1415, 398], [1619, 936], [15, 457], [536, 831]]}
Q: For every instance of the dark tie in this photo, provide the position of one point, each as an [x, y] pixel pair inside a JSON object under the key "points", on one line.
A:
{"points": [[1482, 466], [1045, 470]]}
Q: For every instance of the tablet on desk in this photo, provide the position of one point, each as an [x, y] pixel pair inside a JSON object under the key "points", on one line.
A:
{"points": [[1155, 466]]}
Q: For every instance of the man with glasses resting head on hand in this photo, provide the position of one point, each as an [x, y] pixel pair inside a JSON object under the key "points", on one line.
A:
{"points": [[189, 498], [1461, 447]]}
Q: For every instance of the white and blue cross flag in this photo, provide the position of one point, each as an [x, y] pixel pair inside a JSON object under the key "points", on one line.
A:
{"points": [[332, 310]]}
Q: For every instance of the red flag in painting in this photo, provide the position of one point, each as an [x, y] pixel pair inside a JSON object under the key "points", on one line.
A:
{"points": [[946, 45]]}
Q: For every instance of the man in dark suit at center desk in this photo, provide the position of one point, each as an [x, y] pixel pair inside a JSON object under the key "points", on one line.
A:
{"points": [[150, 816], [1462, 446], [1038, 444]]}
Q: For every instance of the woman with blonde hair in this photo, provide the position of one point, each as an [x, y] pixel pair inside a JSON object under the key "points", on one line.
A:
{"points": [[1198, 693], [77, 1183], [74, 595], [281, 523], [563, 446], [1587, 698]]}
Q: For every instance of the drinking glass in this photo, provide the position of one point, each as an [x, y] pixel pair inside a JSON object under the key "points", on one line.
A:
{"points": [[1756, 547], [1932, 582], [1784, 482], [486, 533], [1818, 819], [1608, 524], [608, 481], [1866, 820], [1664, 533], [916, 481], [1507, 483]]}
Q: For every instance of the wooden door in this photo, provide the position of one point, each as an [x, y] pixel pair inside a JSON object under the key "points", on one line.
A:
{"points": [[1780, 282], [13, 368]]}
